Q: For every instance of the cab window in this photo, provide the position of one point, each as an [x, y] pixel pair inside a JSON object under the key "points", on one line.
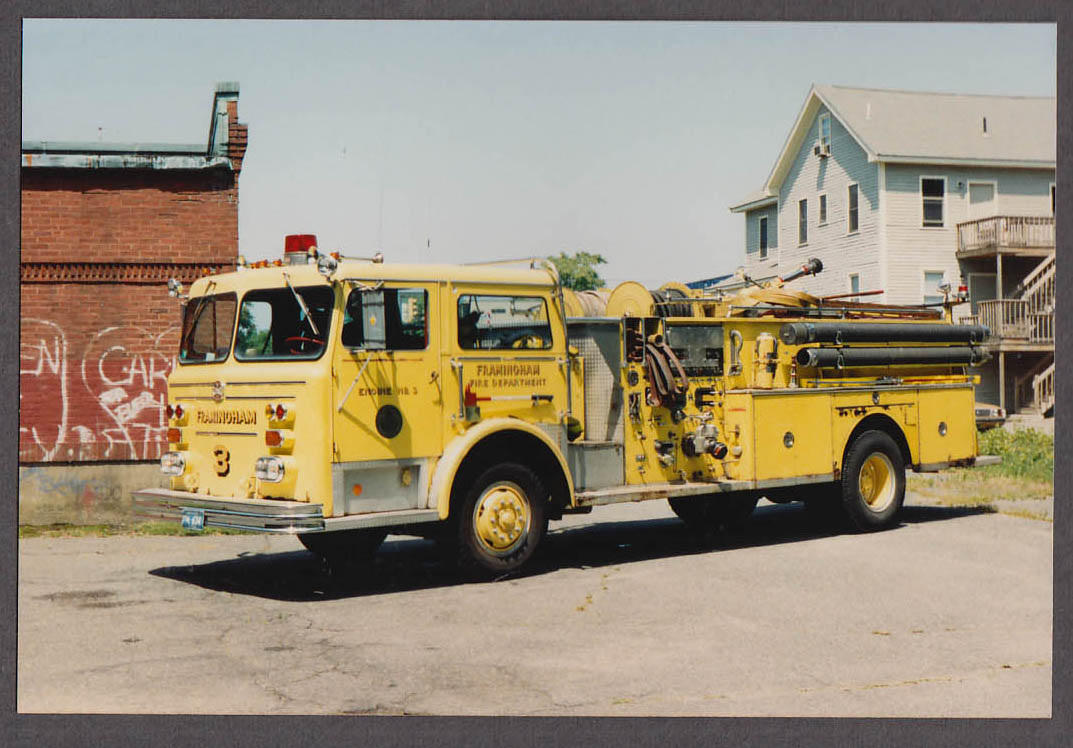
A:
{"points": [[502, 322], [404, 319], [284, 323], [208, 322]]}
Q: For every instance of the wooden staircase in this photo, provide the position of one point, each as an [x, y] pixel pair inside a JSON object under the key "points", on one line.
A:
{"points": [[1029, 314]]}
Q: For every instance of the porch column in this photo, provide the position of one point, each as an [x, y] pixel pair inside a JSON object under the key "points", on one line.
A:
{"points": [[998, 275], [1002, 380]]}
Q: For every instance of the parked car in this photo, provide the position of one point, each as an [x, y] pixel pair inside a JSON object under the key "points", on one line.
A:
{"points": [[988, 416]]}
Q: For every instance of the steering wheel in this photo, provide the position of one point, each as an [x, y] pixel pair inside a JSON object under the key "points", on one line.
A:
{"points": [[301, 341]]}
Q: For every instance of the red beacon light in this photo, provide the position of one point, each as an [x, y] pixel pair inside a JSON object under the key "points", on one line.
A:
{"points": [[298, 248]]}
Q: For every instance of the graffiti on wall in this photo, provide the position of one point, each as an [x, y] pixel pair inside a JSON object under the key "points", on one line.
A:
{"points": [[105, 402]]}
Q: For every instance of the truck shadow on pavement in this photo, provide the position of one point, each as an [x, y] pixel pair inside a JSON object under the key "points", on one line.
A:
{"points": [[406, 564]]}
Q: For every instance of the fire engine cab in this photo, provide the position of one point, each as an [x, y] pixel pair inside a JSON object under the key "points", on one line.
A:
{"points": [[344, 399]]}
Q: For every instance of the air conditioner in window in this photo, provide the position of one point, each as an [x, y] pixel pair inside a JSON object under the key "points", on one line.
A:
{"points": [[823, 151]]}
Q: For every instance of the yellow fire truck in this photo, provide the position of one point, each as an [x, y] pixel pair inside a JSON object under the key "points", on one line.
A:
{"points": [[342, 399]]}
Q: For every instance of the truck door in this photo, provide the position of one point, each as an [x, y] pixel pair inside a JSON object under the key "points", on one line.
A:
{"points": [[387, 393]]}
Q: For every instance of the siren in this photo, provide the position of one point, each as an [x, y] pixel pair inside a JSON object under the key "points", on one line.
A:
{"points": [[297, 248]]}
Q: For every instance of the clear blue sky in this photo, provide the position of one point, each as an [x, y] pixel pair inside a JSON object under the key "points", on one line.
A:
{"points": [[464, 141]]}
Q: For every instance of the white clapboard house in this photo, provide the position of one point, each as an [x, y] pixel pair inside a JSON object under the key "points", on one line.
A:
{"points": [[895, 190]]}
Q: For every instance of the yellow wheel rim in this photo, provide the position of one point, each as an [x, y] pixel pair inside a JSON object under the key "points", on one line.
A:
{"points": [[501, 518], [876, 482]]}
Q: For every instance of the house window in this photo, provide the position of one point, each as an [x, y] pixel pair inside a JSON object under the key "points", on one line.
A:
{"points": [[802, 222], [763, 238], [854, 283], [932, 194], [1052, 199], [825, 131], [932, 281], [852, 216], [823, 209]]}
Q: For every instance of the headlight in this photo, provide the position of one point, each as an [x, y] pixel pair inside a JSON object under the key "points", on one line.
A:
{"points": [[172, 463], [269, 469]]}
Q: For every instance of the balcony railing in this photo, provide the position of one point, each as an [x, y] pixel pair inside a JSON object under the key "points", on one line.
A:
{"points": [[1043, 389], [1012, 319], [1016, 232]]}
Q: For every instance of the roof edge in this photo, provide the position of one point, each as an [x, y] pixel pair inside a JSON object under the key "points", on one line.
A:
{"points": [[987, 162], [753, 204]]}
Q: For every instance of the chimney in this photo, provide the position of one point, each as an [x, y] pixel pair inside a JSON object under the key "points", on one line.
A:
{"points": [[227, 136]]}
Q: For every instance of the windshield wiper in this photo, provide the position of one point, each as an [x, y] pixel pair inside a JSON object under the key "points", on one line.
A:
{"points": [[301, 303]]}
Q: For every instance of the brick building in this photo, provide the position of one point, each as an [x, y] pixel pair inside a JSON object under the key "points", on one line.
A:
{"points": [[104, 226]]}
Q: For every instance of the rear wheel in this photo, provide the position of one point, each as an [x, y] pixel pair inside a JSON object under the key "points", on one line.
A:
{"points": [[346, 546], [502, 519], [873, 481], [715, 511], [823, 504]]}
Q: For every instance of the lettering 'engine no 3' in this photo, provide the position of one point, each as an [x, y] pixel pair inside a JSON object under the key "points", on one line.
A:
{"points": [[340, 400]]}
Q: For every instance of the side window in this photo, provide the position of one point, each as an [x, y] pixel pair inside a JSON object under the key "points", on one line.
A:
{"points": [[932, 195], [405, 319], [825, 131], [932, 281], [502, 322], [208, 322], [852, 214]]}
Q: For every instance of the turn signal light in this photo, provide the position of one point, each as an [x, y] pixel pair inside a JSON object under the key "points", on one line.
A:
{"points": [[278, 412], [273, 438], [175, 436]]}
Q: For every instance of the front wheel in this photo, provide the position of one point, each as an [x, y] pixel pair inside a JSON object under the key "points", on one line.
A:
{"points": [[873, 481], [502, 518]]}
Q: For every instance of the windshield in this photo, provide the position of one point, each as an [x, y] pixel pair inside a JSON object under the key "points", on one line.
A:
{"points": [[208, 322], [273, 324]]}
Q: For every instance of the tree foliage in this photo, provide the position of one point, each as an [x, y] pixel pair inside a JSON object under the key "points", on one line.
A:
{"points": [[578, 271]]}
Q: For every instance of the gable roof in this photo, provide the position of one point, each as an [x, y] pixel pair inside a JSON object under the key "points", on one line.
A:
{"points": [[927, 128]]}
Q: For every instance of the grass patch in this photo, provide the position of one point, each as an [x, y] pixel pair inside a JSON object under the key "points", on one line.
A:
{"points": [[65, 530], [1025, 453], [1025, 474], [972, 487]]}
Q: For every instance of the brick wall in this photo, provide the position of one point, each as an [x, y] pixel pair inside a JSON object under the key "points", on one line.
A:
{"points": [[128, 215], [98, 328]]}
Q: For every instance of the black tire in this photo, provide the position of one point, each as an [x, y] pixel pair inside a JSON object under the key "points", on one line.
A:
{"points": [[873, 481], [715, 511], [736, 510], [695, 511], [502, 519], [346, 546], [823, 505]]}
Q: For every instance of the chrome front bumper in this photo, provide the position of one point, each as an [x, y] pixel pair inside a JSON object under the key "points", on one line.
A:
{"points": [[258, 515], [261, 515]]}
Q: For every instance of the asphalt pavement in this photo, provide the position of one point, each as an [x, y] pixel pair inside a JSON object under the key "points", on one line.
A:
{"points": [[625, 613]]}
